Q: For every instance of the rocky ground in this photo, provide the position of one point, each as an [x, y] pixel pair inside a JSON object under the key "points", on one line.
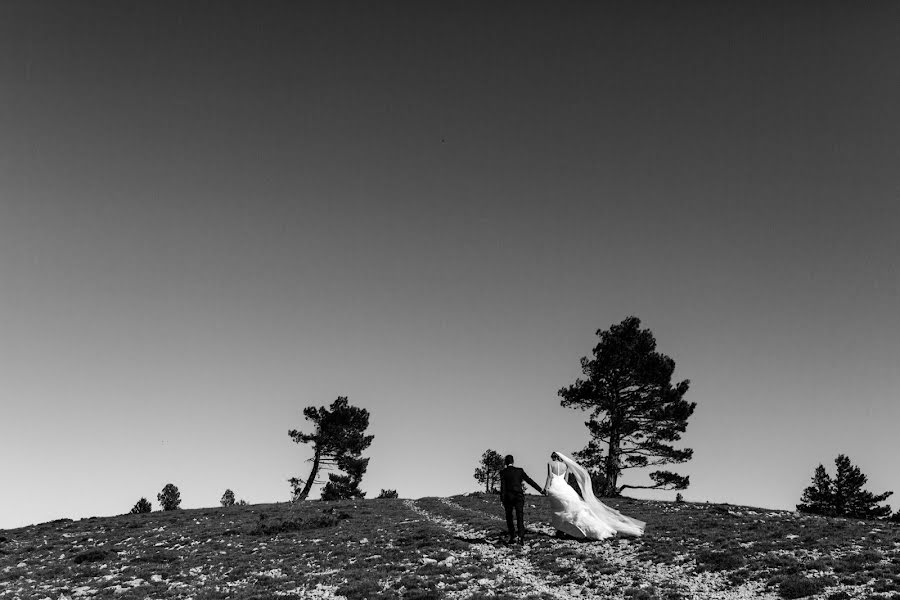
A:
{"points": [[447, 548]]}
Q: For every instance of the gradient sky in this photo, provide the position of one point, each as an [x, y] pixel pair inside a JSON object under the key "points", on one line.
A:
{"points": [[212, 217]]}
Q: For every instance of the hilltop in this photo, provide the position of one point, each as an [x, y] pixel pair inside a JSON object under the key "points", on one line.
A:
{"points": [[447, 548]]}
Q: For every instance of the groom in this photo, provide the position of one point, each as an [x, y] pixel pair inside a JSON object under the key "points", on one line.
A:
{"points": [[512, 494]]}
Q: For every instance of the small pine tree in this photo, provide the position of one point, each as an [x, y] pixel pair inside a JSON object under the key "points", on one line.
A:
{"points": [[227, 498], [844, 495], [679, 498], [851, 499], [818, 498], [142, 506], [386, 494], [169, 497], [488, 471], [241, 502]]}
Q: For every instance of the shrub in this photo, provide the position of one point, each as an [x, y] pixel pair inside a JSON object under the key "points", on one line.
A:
{"points": [[169, 497], [679, 497], [227, 498], [719, 561], [92, 555], [359, 590], [141, 506], [387, 494], [797, 587], [638, 594], [241, 502], [265, 527]]}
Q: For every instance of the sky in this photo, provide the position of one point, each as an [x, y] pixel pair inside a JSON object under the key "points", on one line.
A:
{"points": [[213, 216]]}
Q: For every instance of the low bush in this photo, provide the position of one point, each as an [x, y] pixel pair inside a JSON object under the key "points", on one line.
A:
{"points": [[727, 560], [798, 587], [92, 555]]}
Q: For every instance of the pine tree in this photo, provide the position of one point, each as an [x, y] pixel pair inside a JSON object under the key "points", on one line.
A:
{"points": [[844, 495], [169, 498], [339, 435], [818, 498], [850, 499], [346, 486], [387, 494], [636, 413], [142, 506], [488, 471], [227, 498]]}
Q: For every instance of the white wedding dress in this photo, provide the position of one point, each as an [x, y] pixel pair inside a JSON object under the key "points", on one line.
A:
{"points": [[584, 517]]}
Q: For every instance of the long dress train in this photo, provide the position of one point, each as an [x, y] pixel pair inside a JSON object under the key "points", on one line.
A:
{"points": [[583, 517]]}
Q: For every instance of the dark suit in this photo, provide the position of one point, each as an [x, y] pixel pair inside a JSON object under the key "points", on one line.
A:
{"points": [[512, 494]]}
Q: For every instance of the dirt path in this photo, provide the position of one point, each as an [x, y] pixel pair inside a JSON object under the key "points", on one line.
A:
{"points": [[512, 563], [631, 572]]}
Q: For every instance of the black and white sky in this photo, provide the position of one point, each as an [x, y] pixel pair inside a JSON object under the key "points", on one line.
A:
{"points": [[215, 214]]}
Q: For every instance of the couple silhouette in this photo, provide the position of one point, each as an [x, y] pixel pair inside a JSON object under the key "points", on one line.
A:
{"points": [[574, 514]]}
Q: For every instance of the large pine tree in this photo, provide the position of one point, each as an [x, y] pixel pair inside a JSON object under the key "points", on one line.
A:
{"points": [[636, 412]]}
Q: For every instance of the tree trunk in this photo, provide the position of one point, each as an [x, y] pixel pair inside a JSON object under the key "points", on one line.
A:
{"points": [[612, 467], [312, 475], [612, 455]]}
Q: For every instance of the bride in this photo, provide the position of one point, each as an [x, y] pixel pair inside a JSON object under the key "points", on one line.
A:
{"points": [[582, 517]]}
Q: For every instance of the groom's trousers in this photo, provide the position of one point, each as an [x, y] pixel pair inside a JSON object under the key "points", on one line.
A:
{"points": [[519, 505]]}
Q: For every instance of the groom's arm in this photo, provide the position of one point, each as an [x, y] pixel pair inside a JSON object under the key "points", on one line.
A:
{"points": [[531, 482]]}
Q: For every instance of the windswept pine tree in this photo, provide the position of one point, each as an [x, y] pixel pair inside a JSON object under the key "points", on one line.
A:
{"points": [[636, 412], [844, 495], [338, 440]]}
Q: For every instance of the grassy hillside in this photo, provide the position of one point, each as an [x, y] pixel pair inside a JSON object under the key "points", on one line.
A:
{"points": [[447, 548]]}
